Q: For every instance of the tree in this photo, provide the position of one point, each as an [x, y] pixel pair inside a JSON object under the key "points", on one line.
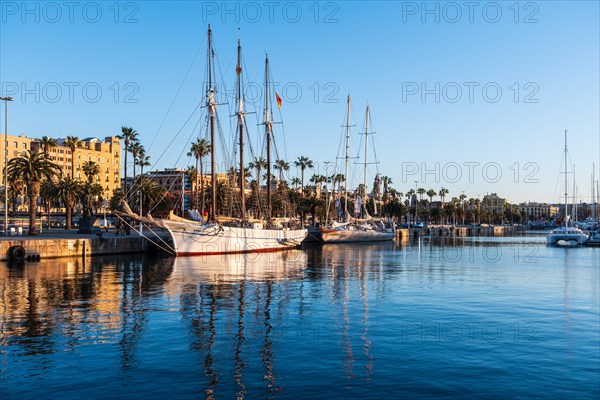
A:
{"points": [[199, 149], [46, 143], [128, 135], [91, 170], [318, 179], [387, 181], [282, 166], [32, 168], [73, 142], [48, 194], [258, 165], [337, 178], [462, 198], [296, 181], [69, 191], [143, 161], [442, 193], [431, 193], [303, 163], [409, 196], [420, 192], [135, 148]]}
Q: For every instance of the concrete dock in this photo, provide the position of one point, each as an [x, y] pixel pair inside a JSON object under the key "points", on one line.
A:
{"points": [[57, 243], [457, 231]]}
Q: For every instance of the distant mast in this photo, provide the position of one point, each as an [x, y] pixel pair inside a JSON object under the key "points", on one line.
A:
{"points": [[210, 104], [347, 158], [366, 152], [566, 182], [268, 127], [240, 115]]}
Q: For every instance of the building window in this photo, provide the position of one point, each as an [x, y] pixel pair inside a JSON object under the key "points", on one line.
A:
{"points": [[24, 145], [16, 145]]}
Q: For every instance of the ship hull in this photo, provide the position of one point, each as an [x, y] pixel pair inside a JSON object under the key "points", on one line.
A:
{"points": [[209, 239], [562, 239], [355, 236]]}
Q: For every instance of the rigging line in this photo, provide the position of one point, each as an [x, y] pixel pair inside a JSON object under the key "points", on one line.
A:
{"points": [[176, 135], [169, 250], [166, 192], [175, 98]]}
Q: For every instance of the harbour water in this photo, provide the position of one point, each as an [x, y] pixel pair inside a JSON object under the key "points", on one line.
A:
{"points": [[472, 317]]}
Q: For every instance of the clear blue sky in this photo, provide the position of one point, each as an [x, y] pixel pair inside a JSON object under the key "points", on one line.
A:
{"points": [[543, 56]]}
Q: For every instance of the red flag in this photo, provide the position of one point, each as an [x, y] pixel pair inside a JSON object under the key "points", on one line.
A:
{"points": [[278, 100]]}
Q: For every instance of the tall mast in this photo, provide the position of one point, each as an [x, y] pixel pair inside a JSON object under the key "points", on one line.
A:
{"points": [[366, 151], [566, 181], [593, 194], [574, 209], [347, 157], [268, 126], [240, 116], [210, 104]]}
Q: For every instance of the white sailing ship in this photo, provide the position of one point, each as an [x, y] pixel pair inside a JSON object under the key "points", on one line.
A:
{"points": [[568, 236], [353, 229], [244, 235]]}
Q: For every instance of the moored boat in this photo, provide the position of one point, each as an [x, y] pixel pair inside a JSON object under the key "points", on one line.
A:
{"points": [[567, 236], [241, 235], [354, 229]]}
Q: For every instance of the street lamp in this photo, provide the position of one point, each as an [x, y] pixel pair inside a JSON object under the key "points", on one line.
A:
{"points": [[5, 100]]}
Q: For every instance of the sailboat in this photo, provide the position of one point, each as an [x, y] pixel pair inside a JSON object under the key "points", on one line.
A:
{"points": [[567, 236], [352, 229], [199, 237]]}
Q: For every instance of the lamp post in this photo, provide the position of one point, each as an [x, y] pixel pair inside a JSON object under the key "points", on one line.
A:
{"points": [[5, 100]]}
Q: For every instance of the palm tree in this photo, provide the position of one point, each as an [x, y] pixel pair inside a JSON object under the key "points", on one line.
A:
{"points": [[318, 179], [90, 169], [73, 142], [431, 193], [387, 181], [442, 193], [462, 198], [409, 197], [337, 178], [420, 192], [282, 166], [46, 143], [48, 193], [192, 173], [143, 161], [199, 149], [296, 181], [135, 148], [303, 162], [258, 165], [69, 191], [32, 168], [128, 135]]}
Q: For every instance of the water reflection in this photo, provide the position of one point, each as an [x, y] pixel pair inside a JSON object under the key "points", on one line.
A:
{"points": [[74, 301], [264, 325]]}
